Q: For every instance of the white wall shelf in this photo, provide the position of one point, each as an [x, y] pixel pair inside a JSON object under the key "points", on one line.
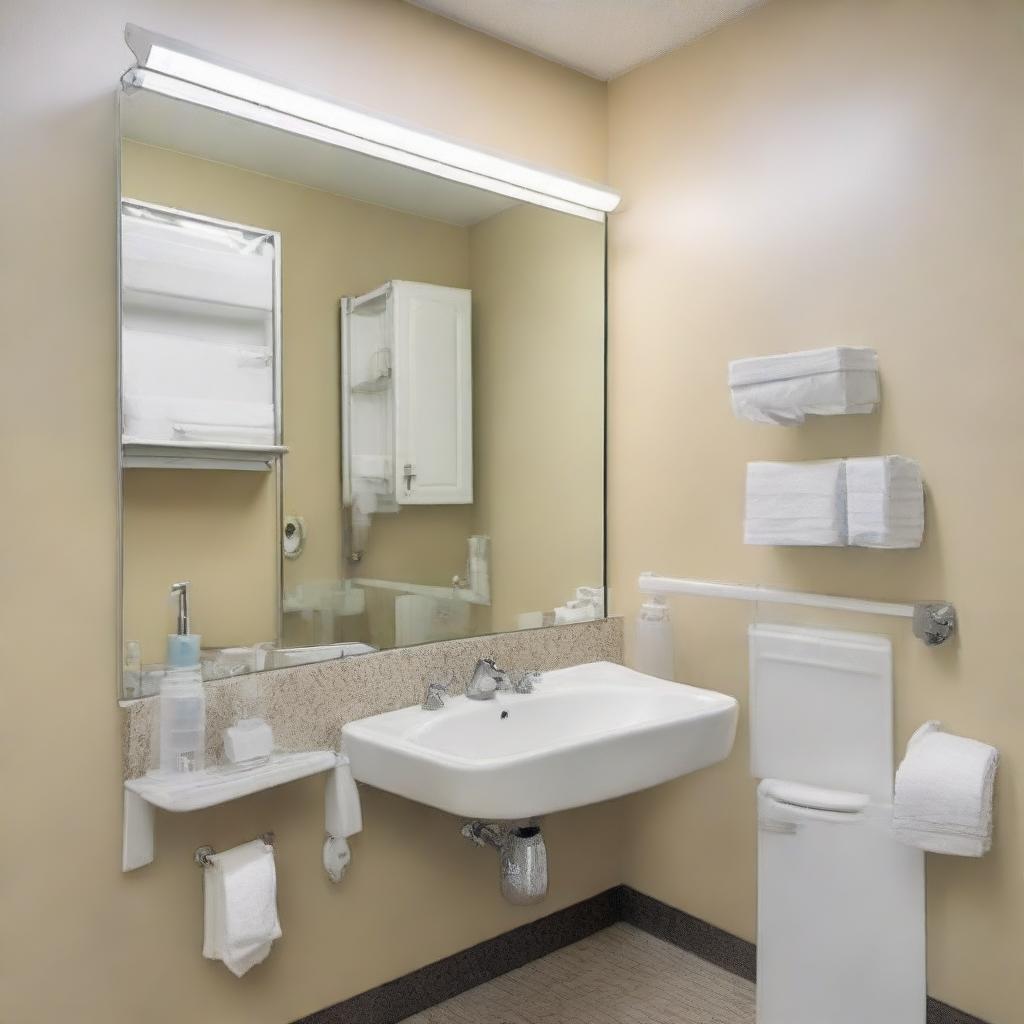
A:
{"points": [[199, 455], [208, 788]]}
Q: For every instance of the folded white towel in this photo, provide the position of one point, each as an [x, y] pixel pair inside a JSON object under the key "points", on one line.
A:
{"points": [[885, 502], [222, 433], [943, 793], [164, 418], [796, 503], [824, 477], [798, 534], [790, 506], [785, 389], [240, 903]]}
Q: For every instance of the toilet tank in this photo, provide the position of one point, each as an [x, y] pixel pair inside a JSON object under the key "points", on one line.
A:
{"points": [[821, 709]]}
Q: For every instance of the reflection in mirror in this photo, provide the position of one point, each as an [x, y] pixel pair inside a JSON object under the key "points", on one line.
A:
{"points": [[361, 406]]}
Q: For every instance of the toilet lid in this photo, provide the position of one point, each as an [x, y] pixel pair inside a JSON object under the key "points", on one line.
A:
{"points": [[796, 794]]}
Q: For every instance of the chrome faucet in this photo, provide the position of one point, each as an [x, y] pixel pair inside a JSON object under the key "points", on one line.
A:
{"points": [[487, 680]]}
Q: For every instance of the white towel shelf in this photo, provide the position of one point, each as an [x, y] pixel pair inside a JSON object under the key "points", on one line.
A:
{"points": [[199, 455], [934, 621], [204, 789]]}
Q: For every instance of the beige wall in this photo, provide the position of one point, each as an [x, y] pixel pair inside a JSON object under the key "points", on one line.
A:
{"points": [[331, 246], [830, 172], [80, 940], [538, 399], [822, 171], [218, 530]]}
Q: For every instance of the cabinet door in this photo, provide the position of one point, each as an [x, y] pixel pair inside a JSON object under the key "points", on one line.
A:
{"points": [[433, 395]]}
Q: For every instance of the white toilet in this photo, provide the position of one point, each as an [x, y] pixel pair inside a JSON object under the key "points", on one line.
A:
{"points": [[840, 904]]}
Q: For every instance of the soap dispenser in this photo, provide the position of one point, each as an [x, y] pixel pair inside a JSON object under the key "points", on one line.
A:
{"points": [[654, 647], [182, 646]]}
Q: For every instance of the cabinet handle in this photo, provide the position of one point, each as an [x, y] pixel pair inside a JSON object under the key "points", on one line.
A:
{"points": [[410, 475]]}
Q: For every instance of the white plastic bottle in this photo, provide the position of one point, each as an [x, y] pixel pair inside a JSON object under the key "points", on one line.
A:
{"points": [[653, 649], [182, 721]]}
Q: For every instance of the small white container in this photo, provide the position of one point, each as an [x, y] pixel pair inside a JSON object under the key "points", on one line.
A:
{"points": [[654, 652], [249, 739], [182, 721]]}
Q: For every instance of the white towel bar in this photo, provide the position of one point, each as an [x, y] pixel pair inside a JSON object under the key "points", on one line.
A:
{"points": [[934, 621]]}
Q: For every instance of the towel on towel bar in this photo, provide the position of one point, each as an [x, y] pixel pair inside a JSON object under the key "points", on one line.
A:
{"points": [[240, 903], [943, 797]]}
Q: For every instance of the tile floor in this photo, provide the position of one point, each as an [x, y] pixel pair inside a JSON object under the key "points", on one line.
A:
{"points": [[618, 976]]}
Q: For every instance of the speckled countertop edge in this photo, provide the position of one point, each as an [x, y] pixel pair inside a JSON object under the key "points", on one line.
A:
{"points": [[307, 705]]}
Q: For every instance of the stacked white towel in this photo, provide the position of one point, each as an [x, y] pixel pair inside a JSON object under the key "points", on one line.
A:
{"points": [[796, 503], [943, 798], [784, 389], [885, 502], [240, 902]]}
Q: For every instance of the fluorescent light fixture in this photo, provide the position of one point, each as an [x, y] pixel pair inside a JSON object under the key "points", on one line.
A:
{"points": [[175, 69]]}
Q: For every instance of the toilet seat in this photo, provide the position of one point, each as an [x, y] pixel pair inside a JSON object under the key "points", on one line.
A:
{"points": [[796, 794]]}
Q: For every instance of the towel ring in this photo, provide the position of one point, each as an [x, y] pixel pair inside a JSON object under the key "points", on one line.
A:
{"points": [[204, 854]]}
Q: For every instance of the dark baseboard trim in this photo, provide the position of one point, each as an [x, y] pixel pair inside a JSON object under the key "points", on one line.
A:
{"points": [[430, 985], [941, 1013], [719, 947], [433, 984]]}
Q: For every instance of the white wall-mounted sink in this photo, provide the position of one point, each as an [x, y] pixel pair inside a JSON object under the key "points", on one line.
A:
{"points": [[587, 733]]}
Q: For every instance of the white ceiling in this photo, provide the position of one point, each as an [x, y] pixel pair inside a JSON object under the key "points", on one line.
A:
{"points": [[601, 38]]}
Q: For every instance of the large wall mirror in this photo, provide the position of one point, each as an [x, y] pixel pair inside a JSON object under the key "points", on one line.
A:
{"points": [[361, 405]]}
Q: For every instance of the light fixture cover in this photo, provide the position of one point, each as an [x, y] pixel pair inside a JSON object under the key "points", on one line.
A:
{"points": [[188, 73]]}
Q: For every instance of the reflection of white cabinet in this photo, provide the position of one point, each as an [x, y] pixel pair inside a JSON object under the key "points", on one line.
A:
{"points": [[407, 396], [433, 395]]}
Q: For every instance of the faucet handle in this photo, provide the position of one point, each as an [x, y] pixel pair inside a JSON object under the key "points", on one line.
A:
{"points": [[437, 690], [502, 677], [526, 681]]}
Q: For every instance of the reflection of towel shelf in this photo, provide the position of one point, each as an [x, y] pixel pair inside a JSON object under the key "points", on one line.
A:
{"points": [[372, 387], [138, 454]]}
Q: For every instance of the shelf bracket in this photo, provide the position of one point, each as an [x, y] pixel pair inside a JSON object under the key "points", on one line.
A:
{"points": [[137, 835]]}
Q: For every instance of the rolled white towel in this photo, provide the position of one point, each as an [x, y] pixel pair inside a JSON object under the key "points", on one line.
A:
{"points": [[943, 795]]}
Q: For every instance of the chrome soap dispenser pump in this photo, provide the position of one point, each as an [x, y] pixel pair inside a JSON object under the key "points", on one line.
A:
{"points": [[183, 645]]}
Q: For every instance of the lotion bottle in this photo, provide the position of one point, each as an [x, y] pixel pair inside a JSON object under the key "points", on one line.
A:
{"points": [[182, 646]]}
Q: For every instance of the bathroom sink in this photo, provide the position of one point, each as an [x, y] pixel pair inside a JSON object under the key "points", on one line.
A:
{"points": [[587, 733]]}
